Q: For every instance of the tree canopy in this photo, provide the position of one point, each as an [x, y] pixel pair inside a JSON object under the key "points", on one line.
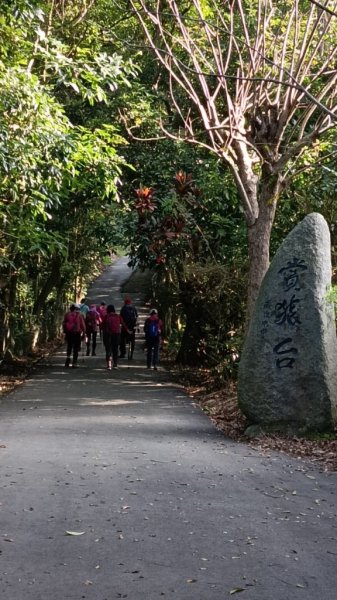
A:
{"points": [[60, 161]]}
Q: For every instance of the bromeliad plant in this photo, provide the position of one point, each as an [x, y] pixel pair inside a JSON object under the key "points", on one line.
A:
{"points": [[144, 202], [167, 233]]}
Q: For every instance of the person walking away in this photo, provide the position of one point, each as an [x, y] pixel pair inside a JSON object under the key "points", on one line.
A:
{"points": [[112, 324], [153, 327], [101, 309], [130, 316], [84, 308], [74, 329], [92, 321]]}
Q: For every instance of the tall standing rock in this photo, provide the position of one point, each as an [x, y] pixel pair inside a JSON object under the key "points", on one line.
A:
{"points": [[288, 368]]}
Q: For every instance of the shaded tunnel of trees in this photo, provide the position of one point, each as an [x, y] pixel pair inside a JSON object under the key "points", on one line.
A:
{"points": [[193, 138]]}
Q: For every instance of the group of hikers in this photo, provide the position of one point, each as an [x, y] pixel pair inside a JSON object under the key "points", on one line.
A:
{"points": [[82, 323]]}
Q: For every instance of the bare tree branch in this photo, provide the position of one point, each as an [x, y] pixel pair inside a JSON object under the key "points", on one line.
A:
{"points": [[259, 91], [324, 8], [292, 174]]}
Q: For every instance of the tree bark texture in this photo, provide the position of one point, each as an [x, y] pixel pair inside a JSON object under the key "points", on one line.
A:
{"points": [[258, 248], [8, 294], [52, 281], [259, 234]]}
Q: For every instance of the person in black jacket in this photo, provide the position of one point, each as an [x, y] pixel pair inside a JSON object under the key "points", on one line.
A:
{"points": [[129, 315]]}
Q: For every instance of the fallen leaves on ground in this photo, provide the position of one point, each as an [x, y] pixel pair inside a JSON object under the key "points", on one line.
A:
{"points": [[220, 404], [14, 371]]}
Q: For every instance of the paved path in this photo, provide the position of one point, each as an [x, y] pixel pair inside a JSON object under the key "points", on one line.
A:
{"points": [[162, 504]]}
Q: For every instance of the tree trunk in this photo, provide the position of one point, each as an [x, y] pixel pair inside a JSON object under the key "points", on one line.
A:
{"points": [[191, 347], [259, 195], [8, 301], [52, 281], [259, 234]]}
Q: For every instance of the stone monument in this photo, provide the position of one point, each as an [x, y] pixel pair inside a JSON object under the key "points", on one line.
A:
{"points": [[288, 368]]}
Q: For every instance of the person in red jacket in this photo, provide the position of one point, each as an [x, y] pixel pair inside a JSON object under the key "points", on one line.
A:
{"points": [[153, 328], [112, 325], [74, 329]]}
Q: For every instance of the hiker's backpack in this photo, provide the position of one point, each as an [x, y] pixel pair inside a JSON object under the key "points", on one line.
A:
{"points": [[72, 323], [129, 315], [112, 323], [91, 320], [152, 328], [102, 311]]}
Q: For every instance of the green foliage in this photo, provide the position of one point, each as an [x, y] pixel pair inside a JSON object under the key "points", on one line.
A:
{"points": [[204, 315], [332, 297], [184, 227], [34, 142], [313, 189], [185, 222], [193, 240], [94, 77], [59, 209], [212, 297]]}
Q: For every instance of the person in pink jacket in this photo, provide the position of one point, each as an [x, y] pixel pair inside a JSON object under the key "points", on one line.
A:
{"points": [[74, 329]]}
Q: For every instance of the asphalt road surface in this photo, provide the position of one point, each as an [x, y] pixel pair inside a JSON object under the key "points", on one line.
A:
{"points": [[114, 484]]}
